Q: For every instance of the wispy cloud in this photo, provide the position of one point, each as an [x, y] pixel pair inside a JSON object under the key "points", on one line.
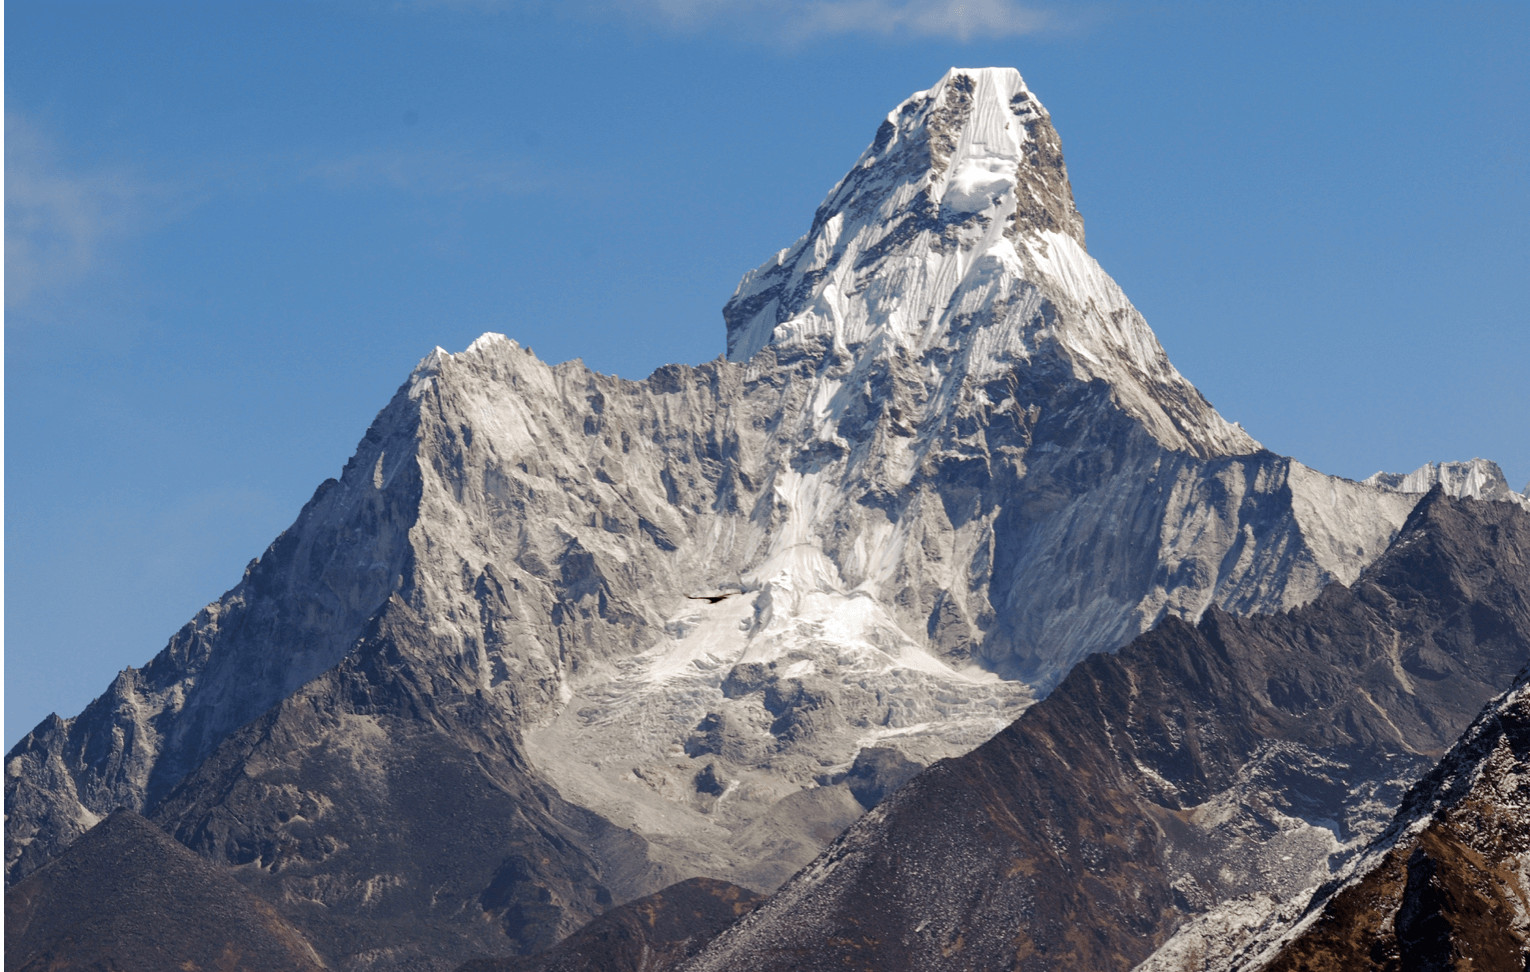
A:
{"points": [[961, 20], [805, 20], [67, 225], [60, 223], [797, 21]]}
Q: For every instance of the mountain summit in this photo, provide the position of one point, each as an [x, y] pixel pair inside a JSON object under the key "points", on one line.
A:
{"points": [[622, 633], [933, 206], [955, 238]]}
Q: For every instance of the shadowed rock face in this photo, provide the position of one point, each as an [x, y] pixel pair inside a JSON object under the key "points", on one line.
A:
{"points": [[298, 610], [126, 897], [1437, 902], [651, 934], [1199, 763]]}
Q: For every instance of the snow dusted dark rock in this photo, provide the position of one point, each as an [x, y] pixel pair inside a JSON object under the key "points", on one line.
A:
{"points": [[1443, 887], [1446, 886], [944, 460]]}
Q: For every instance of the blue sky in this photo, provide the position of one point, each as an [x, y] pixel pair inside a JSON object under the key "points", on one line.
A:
{"points": [[233, 228]]}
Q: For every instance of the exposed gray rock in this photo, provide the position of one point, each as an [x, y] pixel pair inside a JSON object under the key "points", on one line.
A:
{"points": [[652, 934], [877, 772], [1446, 885]]}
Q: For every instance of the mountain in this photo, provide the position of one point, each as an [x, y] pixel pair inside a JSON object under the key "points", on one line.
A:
{"points": [[554, 640], [126, 897], [1444, 887], [1240, 756]]}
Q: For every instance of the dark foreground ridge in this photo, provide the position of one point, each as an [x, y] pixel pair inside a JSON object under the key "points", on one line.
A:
{"points": [[127, 898], [1197, 764], [647, 935]]}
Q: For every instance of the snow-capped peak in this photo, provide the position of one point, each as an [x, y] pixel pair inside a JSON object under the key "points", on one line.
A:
{"points": [[954, 238], [1474, 479], [975, 124]]}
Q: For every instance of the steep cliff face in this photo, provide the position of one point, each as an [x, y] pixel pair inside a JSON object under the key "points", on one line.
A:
{"points": [[299, 609], [1241, 756], [954, 238], [388, 811], [944, 461], [977, 467]]}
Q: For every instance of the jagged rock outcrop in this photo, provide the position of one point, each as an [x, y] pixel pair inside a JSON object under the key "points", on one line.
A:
{"points": [[297, 612], [1451, 890], [126, 897], [1241, 756], [944, 460], [392, 816]]}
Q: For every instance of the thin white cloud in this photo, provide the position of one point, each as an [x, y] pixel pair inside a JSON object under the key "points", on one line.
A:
{"points": [[960, 20], [61, 224], [803, 20], [796, 21], [66, 226]]}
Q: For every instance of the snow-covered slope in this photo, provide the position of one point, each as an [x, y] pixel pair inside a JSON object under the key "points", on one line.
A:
{"points": [[944, 460], [986, 465]]}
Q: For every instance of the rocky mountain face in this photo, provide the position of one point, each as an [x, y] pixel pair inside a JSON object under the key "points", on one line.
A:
{"points": [[1446, 886], [126, 897], [1450, 887], [392, 816], [1240, 756], [580, 637]]}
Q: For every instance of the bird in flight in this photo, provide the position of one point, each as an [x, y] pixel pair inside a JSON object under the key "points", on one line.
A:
{"points": [[712, 598]]}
